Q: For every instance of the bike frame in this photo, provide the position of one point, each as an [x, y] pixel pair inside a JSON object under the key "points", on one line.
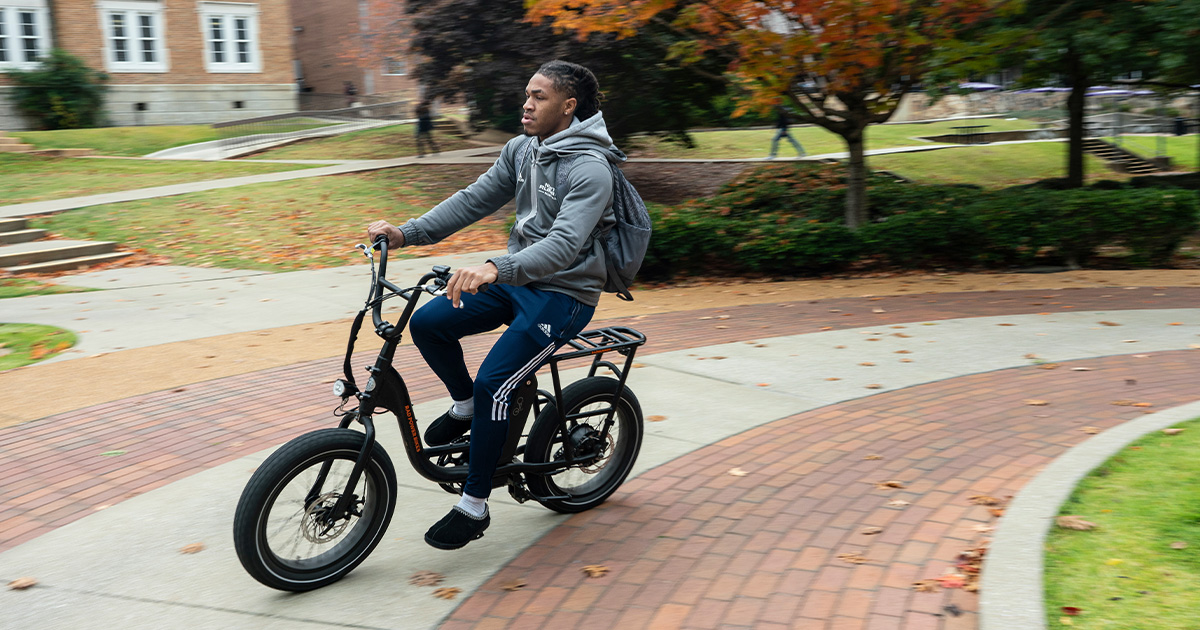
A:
{"points": [[391, 393]]}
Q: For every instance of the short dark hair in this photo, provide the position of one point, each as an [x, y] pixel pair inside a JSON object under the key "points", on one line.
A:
{"points": [[576, 82]]}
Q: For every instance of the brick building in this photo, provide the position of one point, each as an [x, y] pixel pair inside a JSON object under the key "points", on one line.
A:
{"points": [[358, 42], [168, 61]]}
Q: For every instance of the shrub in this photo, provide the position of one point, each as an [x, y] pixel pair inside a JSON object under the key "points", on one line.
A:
{"points": [[925, 237], [62, 93]]}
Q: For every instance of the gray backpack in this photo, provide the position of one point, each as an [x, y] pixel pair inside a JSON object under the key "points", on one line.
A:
{"points": [[626, 243]]}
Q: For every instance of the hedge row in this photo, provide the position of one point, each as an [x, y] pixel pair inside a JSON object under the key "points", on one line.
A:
{"points": [[788, 220]]}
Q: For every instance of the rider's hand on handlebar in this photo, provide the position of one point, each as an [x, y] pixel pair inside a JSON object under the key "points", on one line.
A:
{"points": [[394, 235], [470, 279]]}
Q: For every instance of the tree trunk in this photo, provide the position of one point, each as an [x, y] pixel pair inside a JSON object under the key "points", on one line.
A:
{"points": [[856, 181], [1075, 112]]}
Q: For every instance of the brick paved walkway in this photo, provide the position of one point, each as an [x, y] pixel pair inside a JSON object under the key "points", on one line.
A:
{"points": [[63, 467], [689, 545]]}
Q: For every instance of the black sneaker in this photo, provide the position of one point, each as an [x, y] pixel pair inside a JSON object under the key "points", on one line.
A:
{"points": [[447, 428], [456, 529]]}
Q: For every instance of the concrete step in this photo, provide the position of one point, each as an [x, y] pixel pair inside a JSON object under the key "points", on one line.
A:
{"points": [[7, 140], [11, 225], [20, 236], [68, 263], [44, 251], [16, 148]]}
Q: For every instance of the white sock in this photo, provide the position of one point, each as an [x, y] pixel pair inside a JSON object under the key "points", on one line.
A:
{"points": [[464, 408], [473, 505]]}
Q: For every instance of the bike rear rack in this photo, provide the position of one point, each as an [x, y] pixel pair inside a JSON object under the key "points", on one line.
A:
{"points": [[596, 343]]}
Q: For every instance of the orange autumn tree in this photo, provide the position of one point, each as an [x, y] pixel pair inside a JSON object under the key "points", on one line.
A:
{"points": [[839, 64]]}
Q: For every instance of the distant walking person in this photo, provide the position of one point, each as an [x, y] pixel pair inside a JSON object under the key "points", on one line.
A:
{"points": [[425, 129], [781, 131], [351, 93]]}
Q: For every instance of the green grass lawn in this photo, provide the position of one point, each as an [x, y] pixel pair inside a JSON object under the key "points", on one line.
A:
{"points": [[26, 178], [990, 166], [278, 226], [120, 141], [749, 143], [22, 344], [140, 141], [370, 144], [1125, 574], [20, 287]]}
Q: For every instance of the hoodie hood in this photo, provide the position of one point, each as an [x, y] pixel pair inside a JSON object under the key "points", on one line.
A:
{"points": [[580, 137]]}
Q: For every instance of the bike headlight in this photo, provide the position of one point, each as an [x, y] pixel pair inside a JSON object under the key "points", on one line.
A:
{"points": [[339, 388], [370, 386]]}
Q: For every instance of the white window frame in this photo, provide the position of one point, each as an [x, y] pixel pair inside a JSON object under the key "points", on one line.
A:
{"points": [[231, 46], [387, 66], [132, 13], [14, 37]]}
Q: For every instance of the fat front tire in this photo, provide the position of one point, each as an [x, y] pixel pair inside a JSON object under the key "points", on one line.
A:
{"points": [[280, 531], [585, 486]]}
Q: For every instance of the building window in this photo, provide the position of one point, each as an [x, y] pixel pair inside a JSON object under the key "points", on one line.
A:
{"points": [[24, 33], [133, 35], [395, 66], [230, 32]]}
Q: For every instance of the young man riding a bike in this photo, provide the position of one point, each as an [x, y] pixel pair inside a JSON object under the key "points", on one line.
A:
{"points": [[545, 288]]}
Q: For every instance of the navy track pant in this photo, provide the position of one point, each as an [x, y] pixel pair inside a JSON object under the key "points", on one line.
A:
{"points": [[539, 322]]}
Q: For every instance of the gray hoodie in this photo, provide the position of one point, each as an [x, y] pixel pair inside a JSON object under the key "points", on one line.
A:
{"points": [[563, 189]]}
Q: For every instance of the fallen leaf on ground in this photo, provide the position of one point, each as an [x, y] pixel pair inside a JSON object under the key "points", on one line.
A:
{"points": [[878, 310], [764, 384], [1081, 369], [1066, 621], [897, 503], [1032, 356], [926, 586], [1175, 324], [952, 580], [1071, 610], [426, 578], [656, 418], [901, 335], [111, 453], [514, 585], [1048, 366], [1142, 404], [1112, 562], [21, 584], [874, 386], [737, 472], [983, 499], [1072, 521], [1102, 323], [983, 529], [884, 485], [192, 548], [833, 378], [1036, 402], [852, 558], [1179, 544], [639, 365], [873, 457], [1172, 431], [1006, 324], [867, 363], [871, 531], [903, 352], [906, 360], [595, 570], [997, 512], [1090, 430], [1123, 403], [1129, 341], [447, 592]]}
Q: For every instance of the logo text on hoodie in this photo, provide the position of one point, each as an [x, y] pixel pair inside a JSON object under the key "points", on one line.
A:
{"points": [[548, 190]]}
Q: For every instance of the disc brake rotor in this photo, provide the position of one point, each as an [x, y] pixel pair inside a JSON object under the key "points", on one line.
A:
{"points": [[315, 527]]}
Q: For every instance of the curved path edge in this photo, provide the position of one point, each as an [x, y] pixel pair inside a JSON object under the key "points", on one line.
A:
{"points": [[1012, 588]]}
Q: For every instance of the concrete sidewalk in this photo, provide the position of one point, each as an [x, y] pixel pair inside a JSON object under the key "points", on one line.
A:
{"points": [[119, 565]]}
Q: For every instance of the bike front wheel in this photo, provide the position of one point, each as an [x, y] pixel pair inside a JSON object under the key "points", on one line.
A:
{"points": [[284, 531], [585, 486]]}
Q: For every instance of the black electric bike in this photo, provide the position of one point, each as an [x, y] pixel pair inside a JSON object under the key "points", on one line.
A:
{"points": [[318, 505]]}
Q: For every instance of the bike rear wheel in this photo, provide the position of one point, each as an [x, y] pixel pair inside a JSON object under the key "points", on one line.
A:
{"points": [[585, 486], [282, 532]]}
